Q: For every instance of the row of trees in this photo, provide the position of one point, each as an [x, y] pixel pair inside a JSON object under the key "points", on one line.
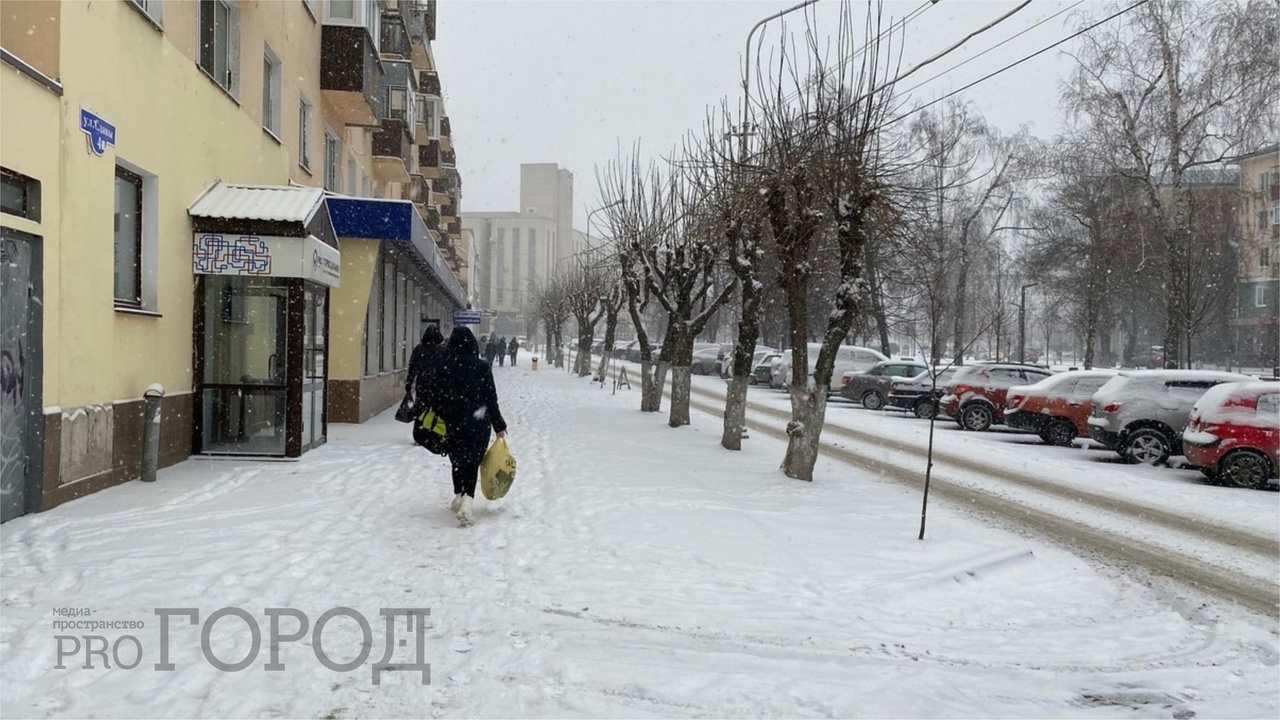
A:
{"points": [[847, 213]]}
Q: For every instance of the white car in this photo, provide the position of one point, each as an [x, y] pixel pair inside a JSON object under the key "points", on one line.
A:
{"points": [[849, 358]]}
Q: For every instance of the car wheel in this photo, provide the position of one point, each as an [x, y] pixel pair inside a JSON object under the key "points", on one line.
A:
{"points": [[1244, 469], [1147, 446], [872, 400], [976, 417], [1059, 432], [925, 409]]}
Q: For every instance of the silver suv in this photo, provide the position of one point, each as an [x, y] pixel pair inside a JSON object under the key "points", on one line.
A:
{"points": [[1141, 413]]}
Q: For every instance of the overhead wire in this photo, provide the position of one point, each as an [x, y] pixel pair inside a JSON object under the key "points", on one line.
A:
{"points": [[1018, 62]]}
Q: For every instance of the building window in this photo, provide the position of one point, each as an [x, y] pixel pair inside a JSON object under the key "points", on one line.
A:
{"points": [[1260, 294], [499, 269], [351, 176], [533, 257], [373, 327], [19, 195], [515, 270], [1264, 181], [271, 93], [332, 160], [304, 133], [1264, 257], [128, 238], [430, 115], [151, 8], [219, 38], [341, 9], [1262, 220]]}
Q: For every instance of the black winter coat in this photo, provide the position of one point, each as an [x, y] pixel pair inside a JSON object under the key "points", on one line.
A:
{"points": [[461, 389], [425, 357]]}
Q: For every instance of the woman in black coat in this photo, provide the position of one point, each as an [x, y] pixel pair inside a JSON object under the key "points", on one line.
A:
{"points": [[462, 392]]}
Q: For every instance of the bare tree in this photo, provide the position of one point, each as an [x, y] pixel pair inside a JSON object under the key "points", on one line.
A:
{"points": [[823, 167], [1179, 85], [585, 285]]}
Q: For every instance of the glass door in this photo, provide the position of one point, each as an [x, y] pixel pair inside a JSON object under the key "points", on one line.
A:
{"points": [[244, 389], [314, 365]]}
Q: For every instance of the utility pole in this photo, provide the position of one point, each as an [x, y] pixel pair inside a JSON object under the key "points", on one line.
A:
{"points": [[1022, 324], [746, 79]]}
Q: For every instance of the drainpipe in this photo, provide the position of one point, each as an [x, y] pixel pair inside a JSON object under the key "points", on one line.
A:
{"points": [[151, 432]]}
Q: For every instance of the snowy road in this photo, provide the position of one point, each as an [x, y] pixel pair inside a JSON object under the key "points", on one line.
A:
{"points": [[635, 570]]}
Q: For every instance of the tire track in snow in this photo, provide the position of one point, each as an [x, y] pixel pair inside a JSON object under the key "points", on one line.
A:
{"points": [[1260, 596]]}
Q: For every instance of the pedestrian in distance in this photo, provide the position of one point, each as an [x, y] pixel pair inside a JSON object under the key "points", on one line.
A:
{"points": [[461, 390], [490, 350], [513, 348], [502, 350]]}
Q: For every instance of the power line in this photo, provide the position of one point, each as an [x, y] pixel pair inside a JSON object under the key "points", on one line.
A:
{"points": [[953, 68], [1014, 64]]}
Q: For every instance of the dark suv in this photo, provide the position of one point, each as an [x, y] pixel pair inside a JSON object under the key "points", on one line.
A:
{"points": [[976, 395]]}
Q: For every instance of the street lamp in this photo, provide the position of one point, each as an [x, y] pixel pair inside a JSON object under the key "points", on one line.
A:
{"points": [[746, 74], [1022, 323]]}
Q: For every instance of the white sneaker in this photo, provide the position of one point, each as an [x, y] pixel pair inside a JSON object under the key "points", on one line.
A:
{"points": [[464, 511], [457, 503]]}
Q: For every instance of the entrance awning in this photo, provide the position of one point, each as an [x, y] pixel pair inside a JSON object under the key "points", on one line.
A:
{"points": [[395, 221], [264, 231]]}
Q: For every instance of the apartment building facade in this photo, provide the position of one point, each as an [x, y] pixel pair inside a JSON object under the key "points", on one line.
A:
{"points": [[176, 185], [518, 249], [1257, 310]]}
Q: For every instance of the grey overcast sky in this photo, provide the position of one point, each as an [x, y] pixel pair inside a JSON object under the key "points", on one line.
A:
{"points": [[569, 81]]}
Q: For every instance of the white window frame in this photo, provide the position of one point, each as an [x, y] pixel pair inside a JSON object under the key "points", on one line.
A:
{"points": [[1275, 214], [305, 122], [332, 160], [331, 19], [230, 83], [1264, 181], [1264, 257], [1260, 294], [431, 116], [153, 9], [148, 290], [271, 105]]}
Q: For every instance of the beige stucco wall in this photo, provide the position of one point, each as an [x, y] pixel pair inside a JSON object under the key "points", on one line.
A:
{"points": [[349, 307], [1256, 201], [30, 30], [28, 128]]}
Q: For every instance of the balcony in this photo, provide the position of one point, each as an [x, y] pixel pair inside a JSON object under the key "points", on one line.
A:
{"points": [[449, 211], [419, 190], [455, 228], [350, 75], [432, 218], [395, 36], [392, 151], [429, 155], [445, 128], [429, 82], [448, 158]]}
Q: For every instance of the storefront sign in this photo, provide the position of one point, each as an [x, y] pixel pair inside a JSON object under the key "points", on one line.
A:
{"points": [[101, 133], [309, 258], [466, 317]]}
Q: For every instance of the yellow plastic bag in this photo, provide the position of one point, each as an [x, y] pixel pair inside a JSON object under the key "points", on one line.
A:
{"points": [[497, 470]]}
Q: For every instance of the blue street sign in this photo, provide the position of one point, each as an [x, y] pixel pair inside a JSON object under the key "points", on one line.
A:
{"points": [[101, 133], [466, 317]]}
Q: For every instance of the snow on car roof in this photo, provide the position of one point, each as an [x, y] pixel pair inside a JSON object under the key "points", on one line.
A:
{"points": [[1219, 395], [1186, 375]]}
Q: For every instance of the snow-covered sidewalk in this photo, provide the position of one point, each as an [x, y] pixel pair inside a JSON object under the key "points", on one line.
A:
{"points": [[635, 570]]}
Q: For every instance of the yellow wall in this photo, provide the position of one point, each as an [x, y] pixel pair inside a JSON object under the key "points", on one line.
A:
{"points": [[30, 30], [173, 122], [349, 308], [28, 127]]}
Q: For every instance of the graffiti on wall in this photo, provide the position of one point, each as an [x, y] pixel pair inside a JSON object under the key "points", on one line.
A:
{"points": [[15, 296]]}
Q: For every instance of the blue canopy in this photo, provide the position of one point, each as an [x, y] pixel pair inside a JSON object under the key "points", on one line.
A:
{"points": [[394, 221]]}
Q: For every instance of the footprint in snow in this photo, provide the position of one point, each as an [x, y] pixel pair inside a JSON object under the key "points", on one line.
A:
{"points": [[460, 644]]}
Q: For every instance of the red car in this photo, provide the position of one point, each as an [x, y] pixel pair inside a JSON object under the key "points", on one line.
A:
{"points": [[975, 397], [1234, 435], [1056, 408]]}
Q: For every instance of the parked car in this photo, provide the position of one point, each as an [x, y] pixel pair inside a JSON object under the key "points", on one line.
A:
{"points": [[1152, 358], [1141, 413], [761, 352], [1233, 434], [849, 358], [920, 394], [723, 358], [976, 395], [705, 361], [871, 386], [762, 373], [1056, 408]]}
